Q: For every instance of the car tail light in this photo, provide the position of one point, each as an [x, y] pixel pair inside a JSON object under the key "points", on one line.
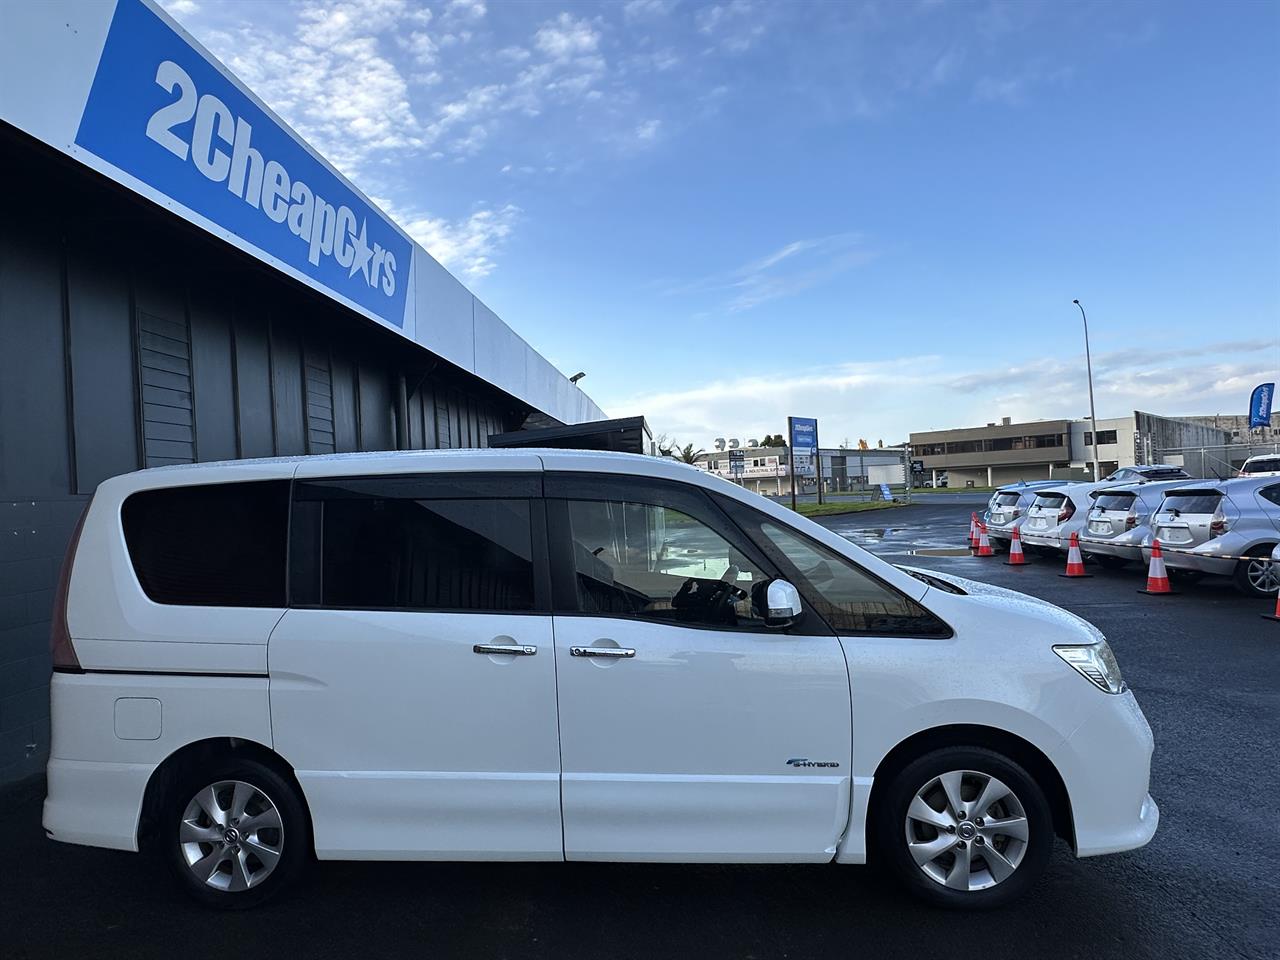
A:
{"points": [[1217, 523], [1130, 520], [1067, 512], [60, 646]]}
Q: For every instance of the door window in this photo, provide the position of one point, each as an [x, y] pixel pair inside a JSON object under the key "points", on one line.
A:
{"points": [[655, 562], [849, 598], [371, 551]]}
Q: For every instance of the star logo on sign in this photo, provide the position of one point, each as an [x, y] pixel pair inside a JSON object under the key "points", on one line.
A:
{"points": [[364, 253]]}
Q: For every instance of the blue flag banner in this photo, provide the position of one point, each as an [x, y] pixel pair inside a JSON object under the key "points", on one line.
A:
{"points": [[1260, 405]]}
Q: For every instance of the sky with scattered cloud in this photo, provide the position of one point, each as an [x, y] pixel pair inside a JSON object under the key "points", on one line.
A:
{"points": [[874, 213]]}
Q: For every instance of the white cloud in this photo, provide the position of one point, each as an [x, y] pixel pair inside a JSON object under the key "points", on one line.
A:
{"points": [[647, 131], [467, 245], [734, 26], [645, 9], [888, 399], [566, 36], [789, 270], [181, 8], [465, 9]]}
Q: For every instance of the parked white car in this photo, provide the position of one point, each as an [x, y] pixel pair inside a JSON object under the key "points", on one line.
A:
{"points": [[551, 655], [1261, 465], [1007, 509]]}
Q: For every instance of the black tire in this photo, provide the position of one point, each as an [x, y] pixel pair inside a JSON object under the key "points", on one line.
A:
{"points": [[1250, 567], [889, 821], [226, 889]]}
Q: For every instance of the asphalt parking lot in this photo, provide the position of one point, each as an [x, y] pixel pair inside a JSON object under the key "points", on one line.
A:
{"points": [[1204, 665]]}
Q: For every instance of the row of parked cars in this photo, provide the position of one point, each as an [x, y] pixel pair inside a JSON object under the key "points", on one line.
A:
{"points": [[1227, 528]]}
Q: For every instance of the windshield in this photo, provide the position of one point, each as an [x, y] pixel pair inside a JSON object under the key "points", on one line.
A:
{"points": [[1264, 465], [1194, 501], [1114, 501]]}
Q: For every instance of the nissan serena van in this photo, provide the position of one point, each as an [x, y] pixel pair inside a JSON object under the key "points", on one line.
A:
{"points": [[551, 655]]}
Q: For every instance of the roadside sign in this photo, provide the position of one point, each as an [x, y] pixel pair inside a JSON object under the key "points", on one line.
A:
{"points": [[802, 432], [885, 493], [737, 462]]}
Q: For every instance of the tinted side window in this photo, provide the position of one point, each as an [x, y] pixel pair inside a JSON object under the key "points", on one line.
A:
{"points": [[397, 553], [849, 598], [1271, 493], [210, 545], [655, 562]]}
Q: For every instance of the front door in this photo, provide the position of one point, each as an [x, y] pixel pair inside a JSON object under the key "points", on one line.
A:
{"points": [[689, 730], [413, 678]]}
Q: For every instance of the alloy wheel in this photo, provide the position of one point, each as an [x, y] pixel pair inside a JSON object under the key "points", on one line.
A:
{"points": [[966, 830], [231, 836], [1263, 575]]}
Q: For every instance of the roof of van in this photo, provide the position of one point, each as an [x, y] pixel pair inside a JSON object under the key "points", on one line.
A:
{"points": [[408, 461]]}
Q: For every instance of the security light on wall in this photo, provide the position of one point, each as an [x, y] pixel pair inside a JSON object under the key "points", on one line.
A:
{"points": [[577, 376]]}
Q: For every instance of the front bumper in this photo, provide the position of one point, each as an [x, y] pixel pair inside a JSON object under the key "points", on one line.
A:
{"points": [[1106, 766]]}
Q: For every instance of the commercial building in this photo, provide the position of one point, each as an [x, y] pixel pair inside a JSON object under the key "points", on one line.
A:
{"points": [[182, 279], [767, 470], [1007, 452]]}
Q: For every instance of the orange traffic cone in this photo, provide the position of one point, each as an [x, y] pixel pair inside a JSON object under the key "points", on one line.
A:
{"points": [[984, 545], [1157, 577], [973, 531], [1075, 562], [1016, 557], [1276, 615]]}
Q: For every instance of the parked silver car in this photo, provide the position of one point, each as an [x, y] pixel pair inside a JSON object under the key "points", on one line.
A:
{"points": [[1224, 527], [1145, 472], [1008, 506], [1057, 512], [1118, 522]]}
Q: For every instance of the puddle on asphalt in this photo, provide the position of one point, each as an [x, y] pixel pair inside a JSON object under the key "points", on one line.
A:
{"points": [[861, 535], [941, 552]]}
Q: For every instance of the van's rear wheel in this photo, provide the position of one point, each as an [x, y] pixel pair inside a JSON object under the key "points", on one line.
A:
{"points": [[235, 834], [965, 827]]}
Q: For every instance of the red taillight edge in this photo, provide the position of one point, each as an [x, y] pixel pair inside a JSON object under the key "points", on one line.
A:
{"points": [[60, 646]]}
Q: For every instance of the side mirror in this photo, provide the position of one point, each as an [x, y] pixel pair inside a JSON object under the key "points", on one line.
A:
{"points": [[780, 605]]}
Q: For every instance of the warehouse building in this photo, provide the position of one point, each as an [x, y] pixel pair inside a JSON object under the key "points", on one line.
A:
{"points": [[1007, 452], [183, 279]]}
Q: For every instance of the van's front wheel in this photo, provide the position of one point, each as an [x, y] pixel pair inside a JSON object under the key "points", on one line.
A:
{"points": [[965, 827], [236, 834]]}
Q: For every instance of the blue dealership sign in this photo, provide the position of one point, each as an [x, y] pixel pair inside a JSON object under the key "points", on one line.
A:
{"points": [[1260, 405], [804, 435], [161, 112]]}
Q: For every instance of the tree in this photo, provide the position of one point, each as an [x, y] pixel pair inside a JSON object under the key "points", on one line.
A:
{"points": [[773, 440], [686, 454], [664, 444]]}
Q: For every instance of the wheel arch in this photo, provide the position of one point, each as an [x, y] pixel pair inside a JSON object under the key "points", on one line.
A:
{"points": [[1018, 749], [195, 754]]}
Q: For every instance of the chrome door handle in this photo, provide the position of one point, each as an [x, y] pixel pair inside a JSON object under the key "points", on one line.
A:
{"points": [[608, 653], [510, 649]]}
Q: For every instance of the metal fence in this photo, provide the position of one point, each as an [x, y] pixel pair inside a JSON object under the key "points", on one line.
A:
{"points": [[1215, 460]]}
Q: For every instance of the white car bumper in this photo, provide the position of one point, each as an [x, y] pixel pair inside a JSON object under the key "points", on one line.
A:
{"points": [[95, 803], [1106, 766]]}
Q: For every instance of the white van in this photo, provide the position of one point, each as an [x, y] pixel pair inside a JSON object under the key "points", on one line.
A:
{"points": [[552, 655]]}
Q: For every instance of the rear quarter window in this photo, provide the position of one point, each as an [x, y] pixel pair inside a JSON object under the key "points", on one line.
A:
{"points": [[220, 545]]}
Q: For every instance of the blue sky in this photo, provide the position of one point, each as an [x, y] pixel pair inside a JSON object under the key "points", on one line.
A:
{"points": [[873, 213]]}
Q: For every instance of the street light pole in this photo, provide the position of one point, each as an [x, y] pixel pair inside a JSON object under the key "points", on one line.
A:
{"points": [[1088, 363]]}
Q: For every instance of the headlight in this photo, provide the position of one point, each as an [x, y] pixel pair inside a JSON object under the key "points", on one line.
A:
{"points": [[1095, 662]]}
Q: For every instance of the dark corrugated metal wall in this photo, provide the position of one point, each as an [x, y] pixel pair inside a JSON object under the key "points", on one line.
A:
{"points": [[127, 341]]}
